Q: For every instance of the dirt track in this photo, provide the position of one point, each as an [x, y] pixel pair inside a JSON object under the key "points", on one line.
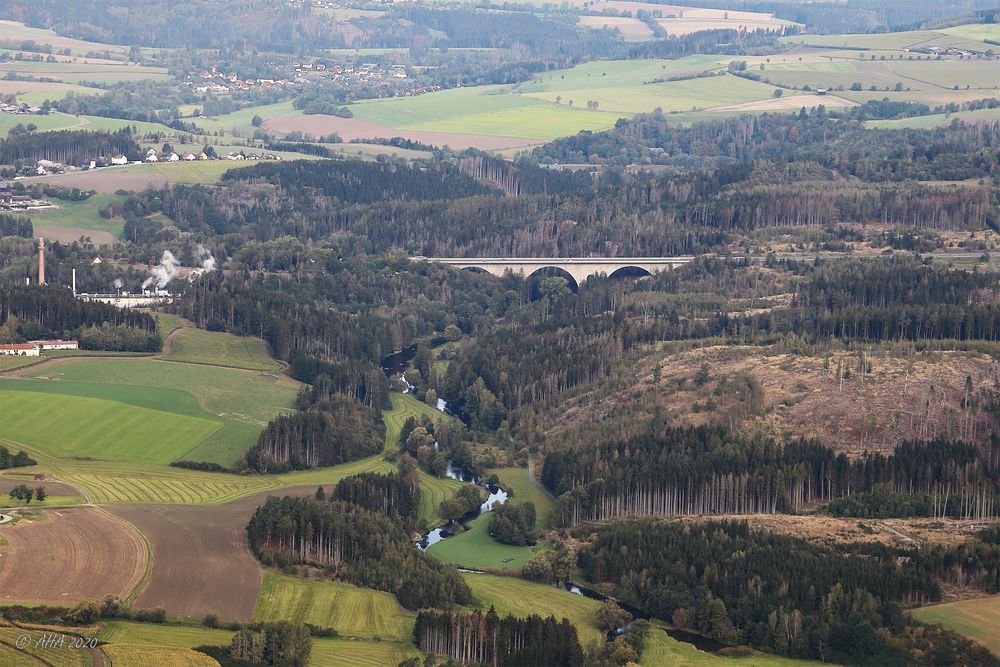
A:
{"points": [[72, 555], [352, 128], [201, 563]]}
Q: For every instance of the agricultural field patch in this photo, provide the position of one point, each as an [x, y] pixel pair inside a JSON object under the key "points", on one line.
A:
{"points": [[14, 30], [978, 619], [662, 650], [80, 73], [124, 655], [77, 218], [79, 427], [630, 28], [686, 26], [71, 555], [511, 595], [350, 610], [937, 120], [58, 493], [359, 653], [215, 348], [433, 490], [56, 656], [476, 549], [155, 634]]}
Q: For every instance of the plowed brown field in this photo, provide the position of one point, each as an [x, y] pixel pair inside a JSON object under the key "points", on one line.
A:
{"points": [[71, 555], [201, 563]]}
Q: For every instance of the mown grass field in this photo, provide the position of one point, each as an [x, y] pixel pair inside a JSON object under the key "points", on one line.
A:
{"points": [[517, 481], [510, 595], [171, 636], [84, 73], [977, 619], [43, 655], [937, 120], [359, 653], [433, 490], [75, 426], [239, 121], [13, 30], [124, 655], [83, 215], [476, 549], [350, 610], [197, 346]]}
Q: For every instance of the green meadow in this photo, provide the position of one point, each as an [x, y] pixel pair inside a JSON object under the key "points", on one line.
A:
{"points": [[510, 595], [522, 488], [70, 425], [197, 346], [86, 72], [350, 610], [978, 619], [476, 549], [172, 636], [82, 215]]}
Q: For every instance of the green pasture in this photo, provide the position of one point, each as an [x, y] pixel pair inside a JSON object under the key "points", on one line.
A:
{"points": [[618, 73], [359, 653], [511, 595], [967, 36], [83, 215], [240, 120], [936, 120], [52, 121], [975, 31], [172, 636], [703, 93], [662, 650], [12, 30], [433, 490], [197, 346], [476, 549], [350, 610], [403, 407], [55, 656], [978, 619], [84, 73], [241, 395], [485, 110], [524, 489], [74, 426]]}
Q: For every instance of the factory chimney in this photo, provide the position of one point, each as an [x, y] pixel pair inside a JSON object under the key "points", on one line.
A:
{"points": [[74, 282], [41, 261]]}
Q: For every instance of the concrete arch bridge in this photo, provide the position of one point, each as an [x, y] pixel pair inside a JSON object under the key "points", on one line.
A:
{"points": [[579, 268]]}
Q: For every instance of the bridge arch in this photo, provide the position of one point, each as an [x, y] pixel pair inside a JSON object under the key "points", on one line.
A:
{"points": [[550, 270], [630, 271]]}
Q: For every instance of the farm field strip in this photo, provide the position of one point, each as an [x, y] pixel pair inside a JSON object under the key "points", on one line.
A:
{"points": [[524, 489], [171, 636], [433, 490], [55, 656], [124, 655], [510, 595], [350, 610], [978, 619], [359, 653], [197, 346], [662, 650]]}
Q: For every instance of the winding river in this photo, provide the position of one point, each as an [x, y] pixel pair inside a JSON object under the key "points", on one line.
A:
{"points": [[396, 364]]}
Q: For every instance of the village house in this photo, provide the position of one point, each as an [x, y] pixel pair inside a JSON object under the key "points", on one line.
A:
{"points": [[119, 159], [188, 157], [174, 157]]}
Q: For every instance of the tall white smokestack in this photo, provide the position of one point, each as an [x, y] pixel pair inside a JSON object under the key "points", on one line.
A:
{"points": [[74, 282]]}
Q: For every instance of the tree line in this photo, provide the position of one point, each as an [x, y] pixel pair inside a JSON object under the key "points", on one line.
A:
{"points": [[672, 471], [489, 639], [334, 431], [72, 147]]}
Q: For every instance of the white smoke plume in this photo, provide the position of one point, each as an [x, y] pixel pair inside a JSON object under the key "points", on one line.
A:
{"points": [[164, 272], [118, 283], [207, 262]]}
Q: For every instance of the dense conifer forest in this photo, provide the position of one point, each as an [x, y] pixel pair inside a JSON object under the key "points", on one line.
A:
{"points": [[778, 593], [32, 313], [353, 544]]}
